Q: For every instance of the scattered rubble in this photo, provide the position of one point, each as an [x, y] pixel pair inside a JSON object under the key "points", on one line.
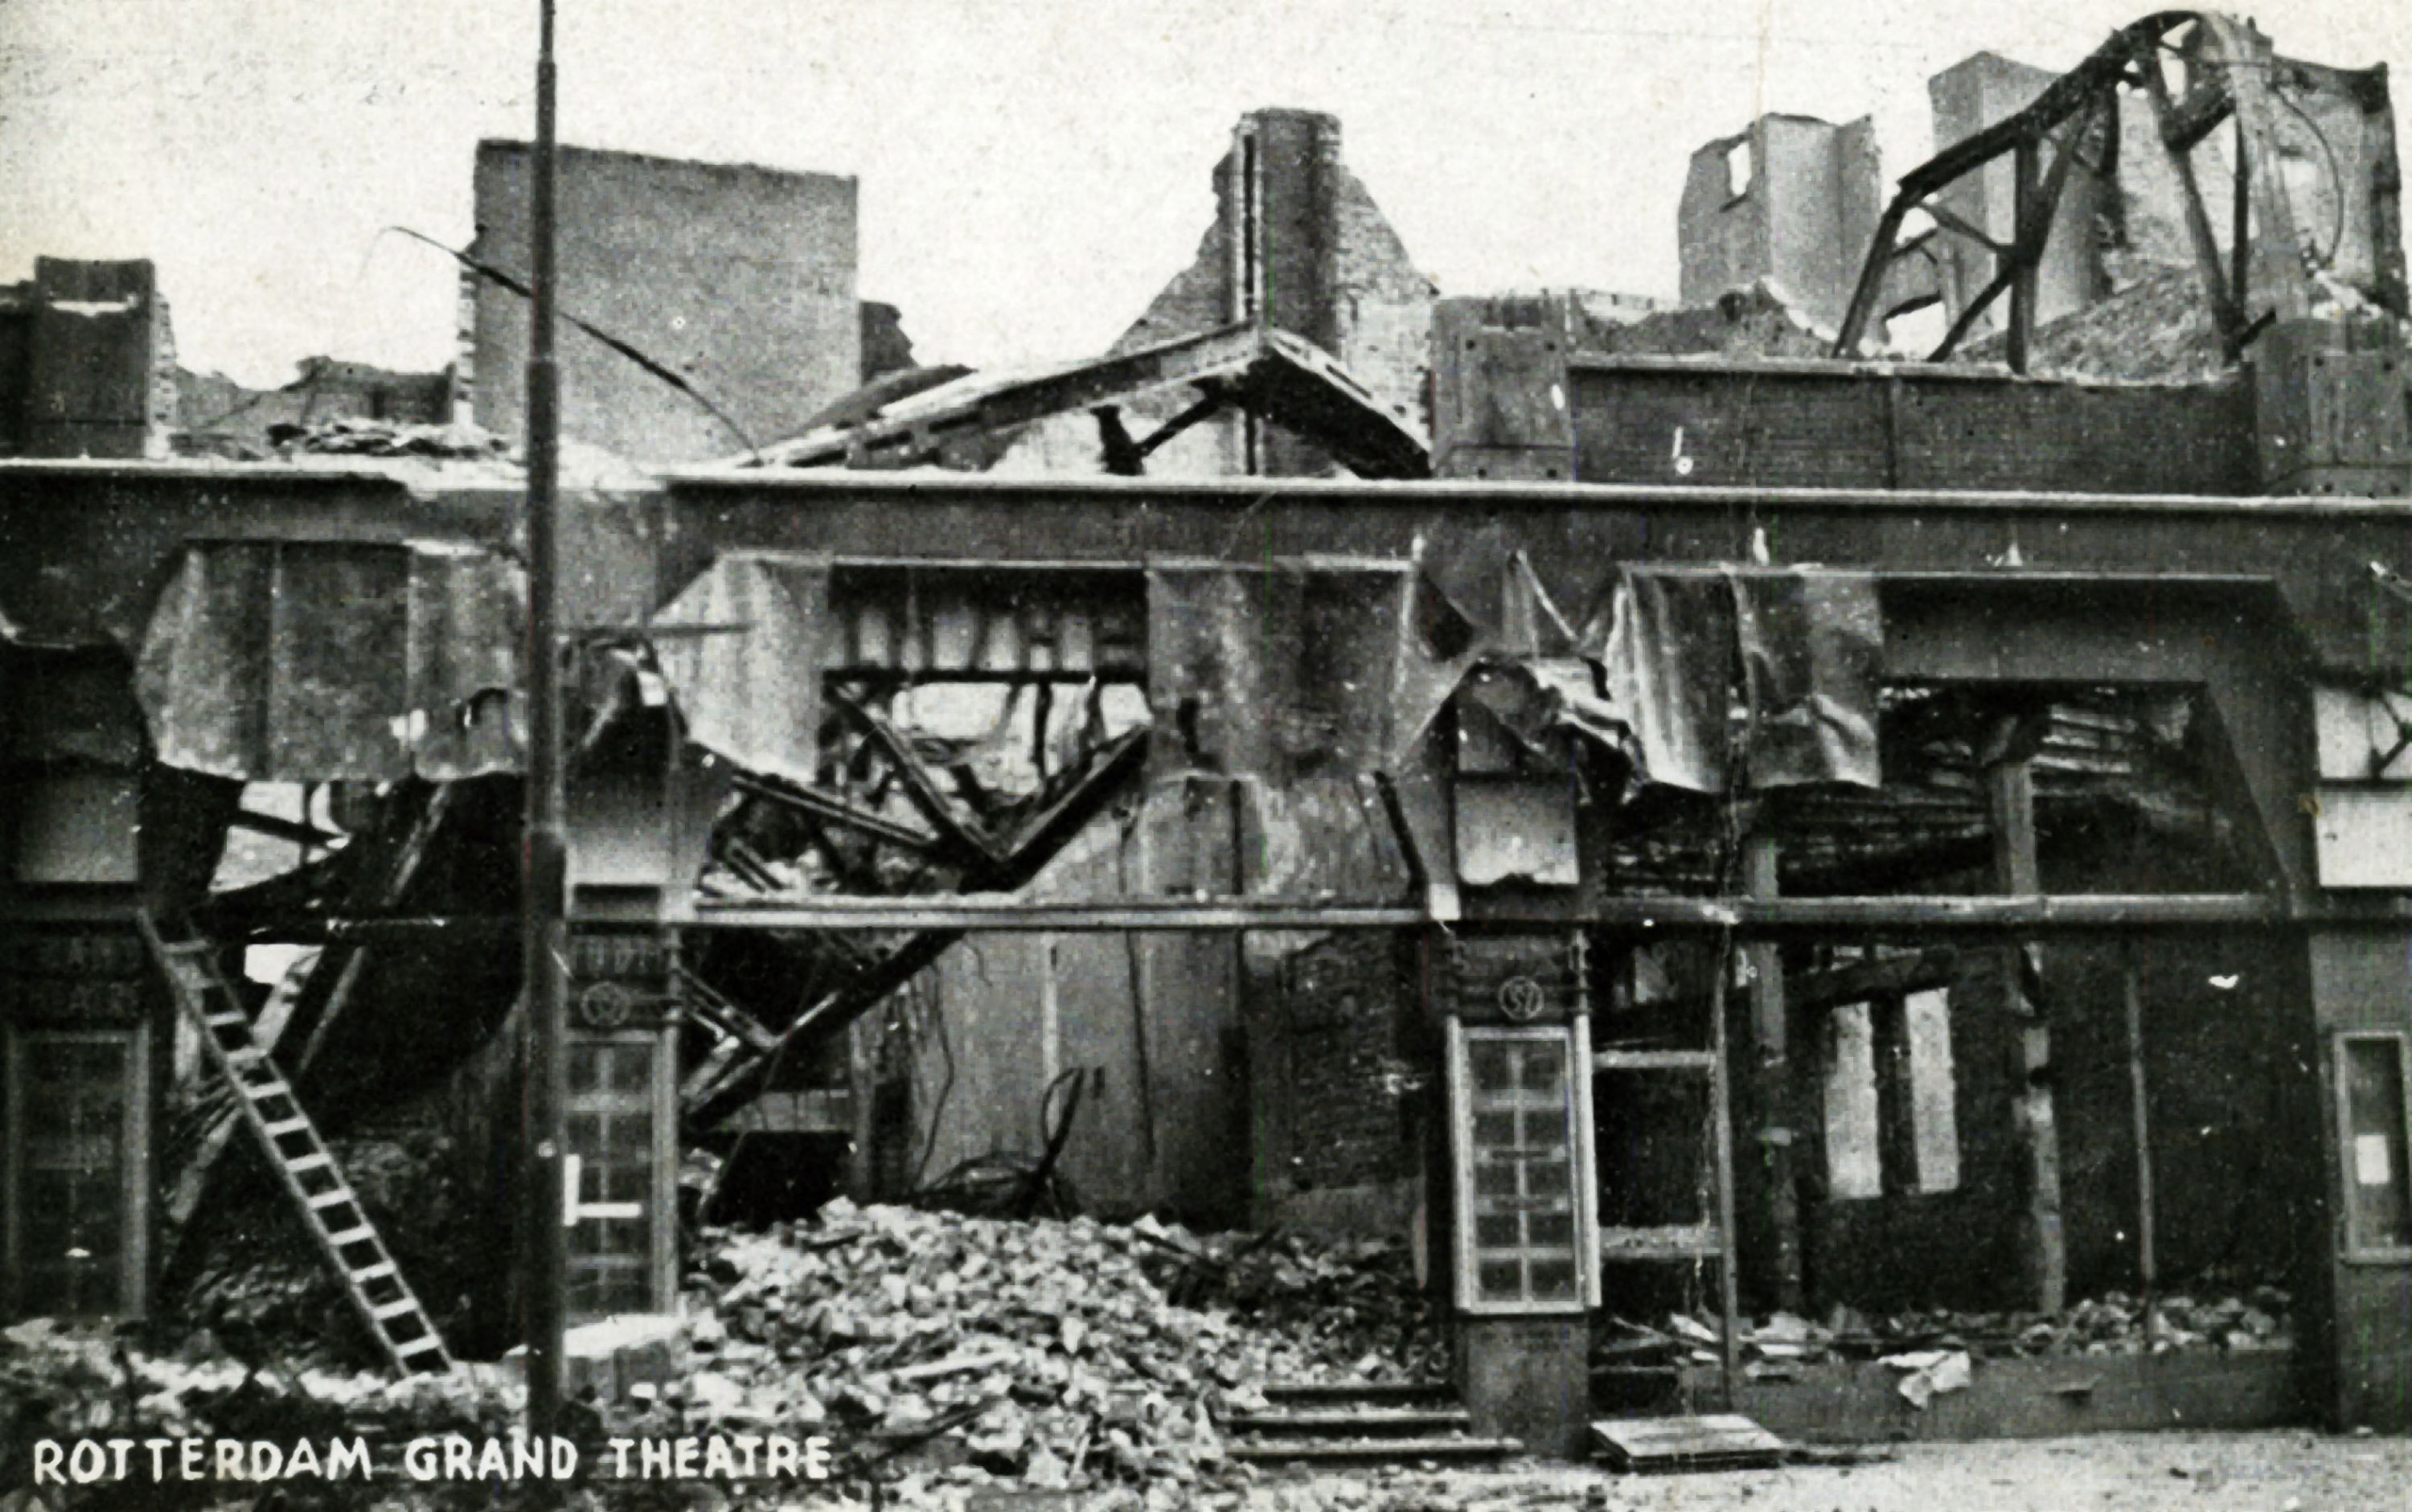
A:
{"points": [[2113, 1324], [386, 438], [1053, 1354], [63, 1382]]}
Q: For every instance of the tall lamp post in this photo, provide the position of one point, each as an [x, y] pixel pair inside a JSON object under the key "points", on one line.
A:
{"points": [[545, 900]]}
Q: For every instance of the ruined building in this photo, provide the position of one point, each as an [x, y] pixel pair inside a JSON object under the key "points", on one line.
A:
{"points": [[1793, 837], [87, 363]]}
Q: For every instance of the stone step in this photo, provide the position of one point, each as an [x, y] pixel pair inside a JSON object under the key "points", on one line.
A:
{"points": [[1343, 1422], [1333, 1393], [1373, 1450]]}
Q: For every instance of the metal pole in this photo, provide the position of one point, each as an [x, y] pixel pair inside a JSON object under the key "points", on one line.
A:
{"points": [[2131, 988], [544, 964]]}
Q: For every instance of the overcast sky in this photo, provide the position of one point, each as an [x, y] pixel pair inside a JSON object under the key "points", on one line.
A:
{"points": [[1032, 171]]}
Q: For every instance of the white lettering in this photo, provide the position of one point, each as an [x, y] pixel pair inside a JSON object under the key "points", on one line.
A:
{"points": [[346, 1459], [565, 1459], [188, 1459], [717, 1461], [688, 1449], [158, 1457], [83, 1471], [493, 1463], [418, 1459], [620, 1447], [117, 1451], [47, 1457], [654, 1456], [746, 1444], [816, 1458], [303, 1460], [779, 1457], [229, 1455], [267, 1460], [457, 1465]]}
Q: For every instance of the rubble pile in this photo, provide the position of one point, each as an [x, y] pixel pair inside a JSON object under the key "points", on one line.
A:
{"points": [[1054, 1353], [2113, 1324], [389, 438]]}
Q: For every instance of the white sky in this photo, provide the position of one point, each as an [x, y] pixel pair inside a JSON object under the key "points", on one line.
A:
{"points": [[1031, 173]]}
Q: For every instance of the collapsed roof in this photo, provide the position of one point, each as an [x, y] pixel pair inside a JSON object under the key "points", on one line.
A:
{"points": [[1266, 372]]}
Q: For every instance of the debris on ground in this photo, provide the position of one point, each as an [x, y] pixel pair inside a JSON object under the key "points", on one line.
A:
{"points": [[58, 1381], [1052, 1355], [1777, 1347]]}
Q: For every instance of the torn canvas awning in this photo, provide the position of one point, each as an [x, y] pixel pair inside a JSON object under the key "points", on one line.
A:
{"points": [[320, 661], [1736, 678], [743, 648], [1710, 679]]}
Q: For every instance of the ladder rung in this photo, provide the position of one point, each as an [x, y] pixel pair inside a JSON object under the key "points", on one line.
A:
{"points": [[220, 1021], [290, 1126], [394, 1309], [330, 1200], [272, 1085], [372, 1272], [310, 1162], [187, 947], [419, 1345], [351, 1236]]}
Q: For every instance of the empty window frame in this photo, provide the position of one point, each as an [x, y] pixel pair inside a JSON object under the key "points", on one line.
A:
{"points": [[77, 1171], [1890, 1114], [1526, 1234], [1737, 170], [622, 1227], [2371, 1115]]}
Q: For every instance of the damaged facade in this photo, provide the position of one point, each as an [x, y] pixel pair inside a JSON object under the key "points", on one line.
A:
{"points": [[1716, 833]]}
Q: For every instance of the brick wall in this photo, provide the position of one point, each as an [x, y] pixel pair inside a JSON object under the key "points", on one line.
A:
{"points": [[86, 355], [1328, 1042], [1310, 244], [741, 278], [1783, 428], [1801, 223]]}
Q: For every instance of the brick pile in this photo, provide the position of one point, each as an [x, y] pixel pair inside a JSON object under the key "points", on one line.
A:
{"points": [[1048, 1355]]}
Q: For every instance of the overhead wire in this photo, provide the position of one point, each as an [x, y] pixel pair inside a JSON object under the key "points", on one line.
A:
{"points": [[625, 348]]}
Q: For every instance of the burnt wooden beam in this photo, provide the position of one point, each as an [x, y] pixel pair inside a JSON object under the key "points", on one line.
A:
{"points": [[292, 829], [1035, 844], [2031, 213], [975, 849], [1914, 971], [2011, 801], [2075, 913], [1773, 1074], [322, 993], [826, 808], [2225, 312]]}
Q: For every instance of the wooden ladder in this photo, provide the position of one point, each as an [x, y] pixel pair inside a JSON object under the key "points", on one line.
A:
{"points": [[1711, 1240], [298, 1155]]}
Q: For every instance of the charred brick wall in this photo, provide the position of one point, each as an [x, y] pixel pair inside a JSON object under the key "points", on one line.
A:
{"points": [[1338, 1012], [1803, 428]]}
